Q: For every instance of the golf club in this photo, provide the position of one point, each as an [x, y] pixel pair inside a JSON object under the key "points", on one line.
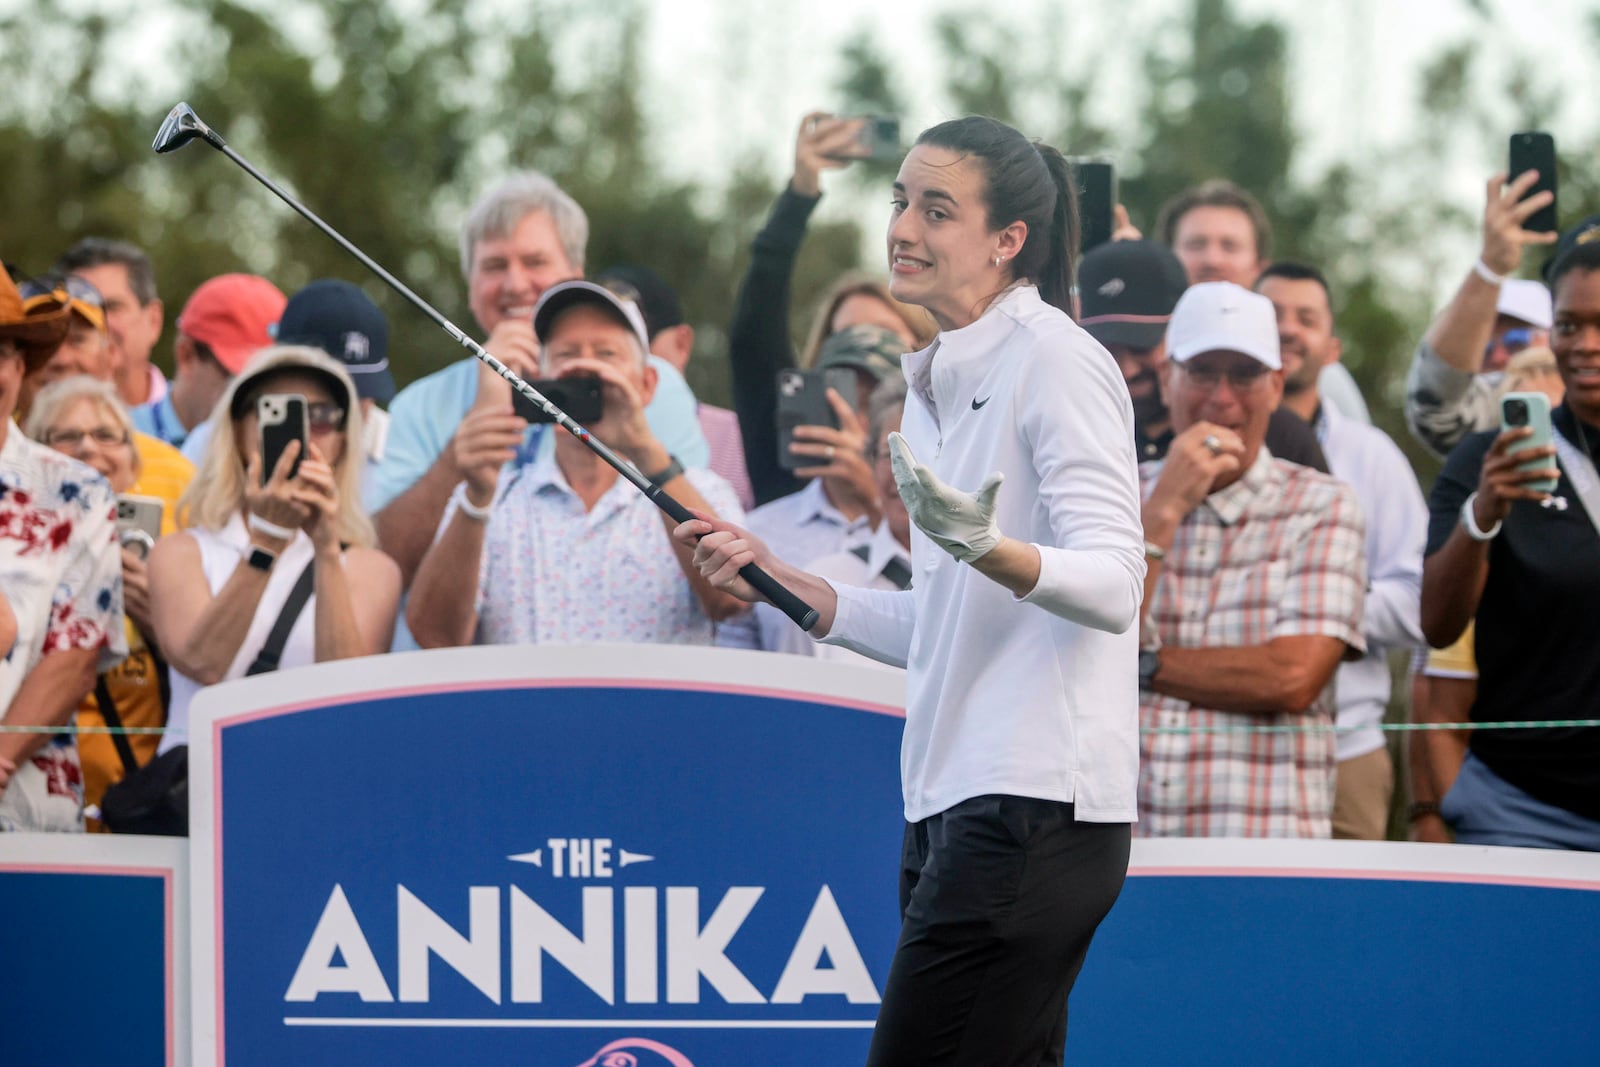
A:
{"points": [[182, 125]]}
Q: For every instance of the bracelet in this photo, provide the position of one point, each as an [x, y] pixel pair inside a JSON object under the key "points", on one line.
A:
{"points": [[471, 510], [1470, 521], [1483, 270], [1421, 810], [665, 474], [271, 529], [1154, 551]]}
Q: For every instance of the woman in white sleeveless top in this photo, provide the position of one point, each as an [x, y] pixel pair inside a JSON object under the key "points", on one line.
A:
{"points": [[218, 588]]}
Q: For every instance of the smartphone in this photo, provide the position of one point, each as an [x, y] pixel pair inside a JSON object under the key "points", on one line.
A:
{"points": [[803, 401], [579, 397], [138, 522], [879, 140], [1532, 150], [282, 417], [1096, 180], [1529, 409]]}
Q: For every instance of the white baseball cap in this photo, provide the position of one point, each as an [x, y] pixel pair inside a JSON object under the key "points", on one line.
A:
{"points": [[1223, 317], [564, 295], [1526, 301]]}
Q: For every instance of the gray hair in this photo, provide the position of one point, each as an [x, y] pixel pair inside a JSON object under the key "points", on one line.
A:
{"points": [[98, 251], [58, 396], [886, 400], [498, 211]]}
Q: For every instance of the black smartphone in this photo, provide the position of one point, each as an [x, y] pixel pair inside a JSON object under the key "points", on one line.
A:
{"points": [[803, 401], [1096, 180], [282, 418], [1532, 150], [578, 396]]}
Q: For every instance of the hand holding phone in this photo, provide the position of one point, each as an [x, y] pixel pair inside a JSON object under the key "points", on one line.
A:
{"points": [[803, 401]]}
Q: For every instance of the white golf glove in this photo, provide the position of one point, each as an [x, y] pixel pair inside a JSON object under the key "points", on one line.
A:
{"points": [[960, 523]]}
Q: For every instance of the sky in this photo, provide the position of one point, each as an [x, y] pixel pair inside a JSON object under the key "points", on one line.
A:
{"points": [[1356, 64]]}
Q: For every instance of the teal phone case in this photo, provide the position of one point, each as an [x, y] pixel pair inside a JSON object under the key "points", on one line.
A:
{"points": [[1529, 409]]}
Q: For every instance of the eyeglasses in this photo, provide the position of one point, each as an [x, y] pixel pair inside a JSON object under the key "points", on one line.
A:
{"points": [[1241, 378], [325, 418], [104, 436], [1513, 340]]}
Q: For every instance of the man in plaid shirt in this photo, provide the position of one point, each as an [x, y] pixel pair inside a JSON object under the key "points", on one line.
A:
{"points": [[1254, 594]]}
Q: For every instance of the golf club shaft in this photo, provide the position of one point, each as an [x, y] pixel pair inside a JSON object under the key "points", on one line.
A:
{"points": [[802, 614]]}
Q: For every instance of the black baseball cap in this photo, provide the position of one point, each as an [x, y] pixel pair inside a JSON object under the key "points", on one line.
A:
{"points": [[1582, 233], [1127, 290], [342, 320], [656, 300]]}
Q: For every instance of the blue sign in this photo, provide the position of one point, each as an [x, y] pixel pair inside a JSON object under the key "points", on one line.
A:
{"points": [[93, 952], [1337, 952], [591, 856]]}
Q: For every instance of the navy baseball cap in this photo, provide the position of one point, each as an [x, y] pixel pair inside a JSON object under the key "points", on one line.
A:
{"points": [[1127, 290], [657, 302], [342, 320]]}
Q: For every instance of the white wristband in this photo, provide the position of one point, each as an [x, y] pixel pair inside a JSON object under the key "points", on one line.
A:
{"points": [[271, 529], [1481, 269], [1470, 521], [471, 510]]}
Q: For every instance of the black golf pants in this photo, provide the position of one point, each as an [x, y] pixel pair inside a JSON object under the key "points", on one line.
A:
{"points": [[999, 897]]}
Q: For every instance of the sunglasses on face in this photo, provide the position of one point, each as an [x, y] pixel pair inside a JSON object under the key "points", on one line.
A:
{"points": [[324, 418], [51, 287], [1513, 340]]}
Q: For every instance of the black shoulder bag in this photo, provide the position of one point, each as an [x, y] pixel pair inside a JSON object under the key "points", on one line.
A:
{"points": [[154, 799]]}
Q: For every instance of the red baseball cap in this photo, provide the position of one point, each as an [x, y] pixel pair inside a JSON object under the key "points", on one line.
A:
{"points": [[233, 314]]}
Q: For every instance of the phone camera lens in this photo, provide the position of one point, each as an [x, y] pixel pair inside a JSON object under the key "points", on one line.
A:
{"points": [[1517, 413]]}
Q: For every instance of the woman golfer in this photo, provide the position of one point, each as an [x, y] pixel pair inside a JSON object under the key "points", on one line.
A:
{"points": [[1020, 755]]}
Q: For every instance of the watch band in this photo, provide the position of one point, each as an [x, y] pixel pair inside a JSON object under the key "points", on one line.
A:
{"points": [[672, 470], [1149, 667]]}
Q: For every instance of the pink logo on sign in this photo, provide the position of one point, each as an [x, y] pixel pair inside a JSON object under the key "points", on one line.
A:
{"points": [[624, 1053]]}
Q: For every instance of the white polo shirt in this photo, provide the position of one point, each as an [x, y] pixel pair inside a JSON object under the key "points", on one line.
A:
{"points": [[1037, 697]]}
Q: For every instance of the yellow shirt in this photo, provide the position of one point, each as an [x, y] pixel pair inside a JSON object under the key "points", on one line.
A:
{"points": [[133, 685], [165, 476], [1457, 661]]}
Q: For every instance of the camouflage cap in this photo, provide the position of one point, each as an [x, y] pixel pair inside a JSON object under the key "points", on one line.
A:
{"points": [[863, 347]]}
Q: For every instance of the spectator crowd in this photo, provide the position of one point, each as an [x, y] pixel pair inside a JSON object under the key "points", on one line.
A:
{"points": [[155, 539]]}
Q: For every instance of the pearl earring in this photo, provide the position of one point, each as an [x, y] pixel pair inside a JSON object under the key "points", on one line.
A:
{"points": [[999, 260]]}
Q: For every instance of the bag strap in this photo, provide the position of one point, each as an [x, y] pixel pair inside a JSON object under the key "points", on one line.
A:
{"points": [[108, 712], [895, 570], [272, 651]]}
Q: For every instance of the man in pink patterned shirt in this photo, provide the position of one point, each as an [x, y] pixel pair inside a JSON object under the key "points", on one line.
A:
{"points": [[61, 569], [1254, 593]]}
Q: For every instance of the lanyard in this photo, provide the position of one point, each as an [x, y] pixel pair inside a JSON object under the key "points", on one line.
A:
{"points": [[1581, 473]]}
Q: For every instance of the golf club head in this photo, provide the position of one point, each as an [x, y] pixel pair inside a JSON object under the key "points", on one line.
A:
{"points": [[181, 126]]}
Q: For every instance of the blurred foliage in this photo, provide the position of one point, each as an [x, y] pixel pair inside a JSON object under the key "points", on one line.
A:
{"points": [[388, 118]]}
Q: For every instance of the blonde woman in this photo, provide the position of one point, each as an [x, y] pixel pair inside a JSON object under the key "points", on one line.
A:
{"points": [[219, 587], [83, 417]]}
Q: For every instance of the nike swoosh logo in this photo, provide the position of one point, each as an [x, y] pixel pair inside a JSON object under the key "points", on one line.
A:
{"points": [[976, 403]]}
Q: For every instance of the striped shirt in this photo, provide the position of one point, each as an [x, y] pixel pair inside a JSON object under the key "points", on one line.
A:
{"points": [[1279, 553]]}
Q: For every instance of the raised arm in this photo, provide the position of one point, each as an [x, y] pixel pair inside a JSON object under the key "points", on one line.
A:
{"points": [[758, 336]]}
